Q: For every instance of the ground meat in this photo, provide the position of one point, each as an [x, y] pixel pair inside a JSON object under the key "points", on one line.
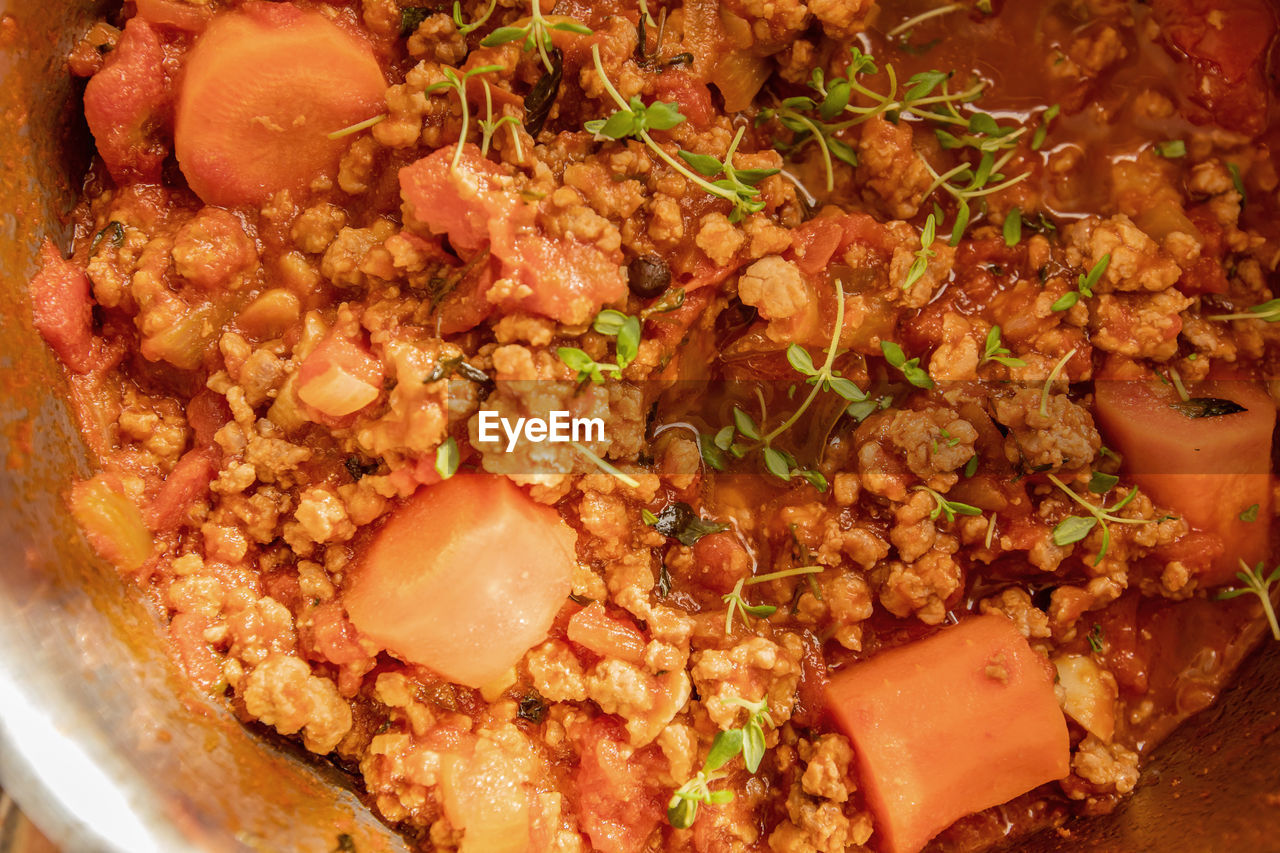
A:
{"points": [[1057, 434], [282, 692], [892, 176], [1107, 767], [934, 442], [921, 588], [719, 239]]}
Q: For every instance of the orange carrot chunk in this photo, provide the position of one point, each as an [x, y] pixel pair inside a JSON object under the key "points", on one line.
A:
{"points": [[464, 578], [1214, 469], [947, 726], [263, 89]]}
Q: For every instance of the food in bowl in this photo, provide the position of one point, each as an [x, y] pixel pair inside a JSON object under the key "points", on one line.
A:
{"points": [[790, 427]]}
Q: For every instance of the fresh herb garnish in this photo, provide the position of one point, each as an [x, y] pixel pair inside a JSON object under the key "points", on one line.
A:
{"points": [[778, 462], [1171, 149], [1013, 227], [738, 605], [357, 127], [1238, 182], [459, 87], [1101, 482], [588, 368], [1095, 639], [1207, 407], [1256, 584], [911, 369], [922, 255], [113, 234], [1249, 513], [626, 329], [488, 126], [463, 27], [635, 119], [606, 467], [1037, 139], [994, 351], [680, 522], [748, 741], [1268, 311], [946, 508], [1084, 285], [1073, 528], [1048, 383], [447, 458], [536, 34]]}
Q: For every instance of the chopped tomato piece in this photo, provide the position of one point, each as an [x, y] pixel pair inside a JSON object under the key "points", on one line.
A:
{"points": [[561, 278], [128, 104], [63, 314]]}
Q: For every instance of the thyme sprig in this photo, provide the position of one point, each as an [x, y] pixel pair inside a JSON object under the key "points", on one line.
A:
{"points": [[1074, 528], [1257, 584], [463, 27], [739, 606], [613, 324], [488, 126], [635, 119], [748, 741], [1084, 285], [536, 34], [946, 508], [924, 254], [459, 86], [746, 436], [994, 350], [1268, 311]]}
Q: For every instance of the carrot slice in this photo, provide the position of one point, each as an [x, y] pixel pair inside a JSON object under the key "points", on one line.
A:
{"points": [[1212, 469], [464, 578], [263, 89], [946, 726]]}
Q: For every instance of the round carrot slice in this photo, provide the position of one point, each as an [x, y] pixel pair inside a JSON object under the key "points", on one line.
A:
{"points": [[263, 89]]}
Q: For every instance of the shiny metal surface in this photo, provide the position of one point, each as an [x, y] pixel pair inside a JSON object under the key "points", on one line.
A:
{"points": [[103, 745], [100, 742]]}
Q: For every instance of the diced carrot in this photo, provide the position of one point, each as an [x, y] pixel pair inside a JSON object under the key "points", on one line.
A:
{"points": [[263, 88], [127, 105], [186, 483], [608, 637], [464, 578], [61, 303], [949, 725], [1211, 469], [340, 377], [176, 14]]}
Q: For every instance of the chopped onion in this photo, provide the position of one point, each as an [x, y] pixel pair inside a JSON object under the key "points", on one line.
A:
{"points": [[112, 524], [337, 393]]}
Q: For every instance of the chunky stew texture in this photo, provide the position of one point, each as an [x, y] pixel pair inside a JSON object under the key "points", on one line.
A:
{"points": [[921, 354]]}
